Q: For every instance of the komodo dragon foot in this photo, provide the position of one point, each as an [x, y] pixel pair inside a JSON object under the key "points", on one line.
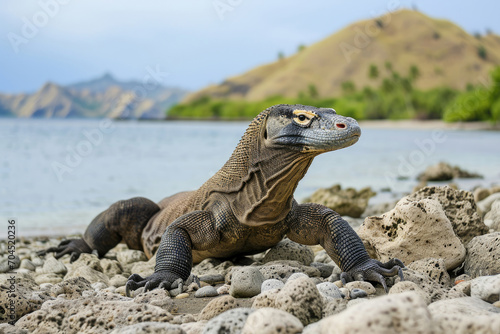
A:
{"points": [[160, 279], [373, 270], [75, 247]]}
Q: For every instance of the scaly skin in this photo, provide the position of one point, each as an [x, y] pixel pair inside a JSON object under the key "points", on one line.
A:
{"points": [[245, 208]]}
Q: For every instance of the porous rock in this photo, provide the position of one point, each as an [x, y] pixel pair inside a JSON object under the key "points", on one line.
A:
{"points": [[365, 286], [346, 202], [434, 268], [246, 282], [459, 207], [91, 275], [486, 288], [465, 315], [157, 297], [231, 321], [53, 266], [302, 299], [270, 321], [266, 299], [97, 313], [270, 284], [326, 270], [432, 289], [150, 327], [328, 291], [413, 230], [286, 249], [405, 286], [400, 313], [28, 297], [485, 205], [130, 256], [218, 306], [334, 306], [491, 219], [73, 288], [445, 172], [111, 267], [282, 270], [483, 255]]}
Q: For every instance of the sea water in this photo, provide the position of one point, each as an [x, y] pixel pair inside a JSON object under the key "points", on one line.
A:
{"points": [[56, 175]]}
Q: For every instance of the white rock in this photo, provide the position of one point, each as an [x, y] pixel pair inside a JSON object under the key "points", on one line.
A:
{"points": [[270, 284], [486, 288], [246, 282], [271, 321], [53, 266]]}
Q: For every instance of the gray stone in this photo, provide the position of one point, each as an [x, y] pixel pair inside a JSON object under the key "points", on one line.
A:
{"points": [[266, 299], [413, 230], [246, 282], [270, 284], [131, 256], [27, 264], [282, 270], [431, 288], [231, 321], [206, 291], [48, 278], [400, 313], [289, 250], [296, 276], [111, 267], [357, 293], [483, 255], [486, 288], [302, 299], [150, 328], [325, 270], [271, 321], [218, 306]]}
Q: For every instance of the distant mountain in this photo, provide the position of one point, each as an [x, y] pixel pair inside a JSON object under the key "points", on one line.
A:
{"points": [[444, 53], [101, 97]]}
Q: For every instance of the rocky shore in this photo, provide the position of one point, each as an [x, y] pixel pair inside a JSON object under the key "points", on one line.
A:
{"points": [[449, 240]]}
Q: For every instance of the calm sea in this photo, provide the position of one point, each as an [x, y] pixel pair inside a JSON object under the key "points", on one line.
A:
{"points": [[56, 175]]}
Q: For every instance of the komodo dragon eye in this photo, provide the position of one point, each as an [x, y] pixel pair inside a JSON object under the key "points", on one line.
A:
{"points": [[303, 117]]}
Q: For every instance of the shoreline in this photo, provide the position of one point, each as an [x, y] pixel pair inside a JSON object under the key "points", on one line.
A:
{"points": [[428, 125]]}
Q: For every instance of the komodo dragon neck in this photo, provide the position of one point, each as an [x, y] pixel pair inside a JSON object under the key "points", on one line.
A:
{"points": [[258, 181]]}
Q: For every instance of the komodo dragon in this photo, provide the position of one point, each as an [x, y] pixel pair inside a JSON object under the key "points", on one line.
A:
{"points": [[245, 208]]}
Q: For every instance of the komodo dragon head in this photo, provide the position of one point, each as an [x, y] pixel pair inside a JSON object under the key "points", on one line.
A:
{"points": [[309, 129]]}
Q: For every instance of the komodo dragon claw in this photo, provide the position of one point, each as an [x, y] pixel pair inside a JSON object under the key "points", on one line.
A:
{"points": [[373, 270], [75, 247], [160, 279]]}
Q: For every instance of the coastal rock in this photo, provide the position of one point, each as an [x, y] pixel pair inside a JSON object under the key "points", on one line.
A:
{"points": [[323, 257], [357, 294], [53, 266], [434, 268], [483, 255], [271, 284], [9, 329], [91, 275], [72, 288], [459, 207], [465, 315], [286, 249], [405, 286], [282, 270], [143, 268], [445, 172], [157, 297], [328, 291], [485, 205], [194, 327], [28, 297], [150, 327], [296, 276], [413, 230], [111, 267], [334, 306], [218, 306], [302, 299], [87, 260], [118, 281], [486, 288], [212, 266], [231, 321], [97, 313], [400, 313], [266, 299], [491, 219], [379, 209], [325, 270], [206, 291], [346, 202], [246, 282], [48, 278], [481, 193], [270, 321], [365, 286], [27, 264], [433, 290], [131, 256]]}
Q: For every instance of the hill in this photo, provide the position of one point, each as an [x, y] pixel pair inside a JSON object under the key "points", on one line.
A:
{"points": [[445, 54], [100, 97]]}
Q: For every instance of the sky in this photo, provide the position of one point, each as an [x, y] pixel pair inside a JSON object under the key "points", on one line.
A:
{"points": [[189, 43]]}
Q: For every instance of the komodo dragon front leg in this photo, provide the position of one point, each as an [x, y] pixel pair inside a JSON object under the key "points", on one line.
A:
{"points": [[313, 224]]}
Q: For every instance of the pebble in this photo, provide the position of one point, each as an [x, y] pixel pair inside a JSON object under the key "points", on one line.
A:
{"points": [[246, 282], [131, 256], [27, 264], [224, 289], [206, 291], [218, 306], [486, 288], [270, 321], [296, 276], [329, 290], [364, 286], [212, 278], [231, 321], [182, 295], [358, 293]]}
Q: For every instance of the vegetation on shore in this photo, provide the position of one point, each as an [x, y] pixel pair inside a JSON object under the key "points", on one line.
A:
{"points": [[393, 97]]}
